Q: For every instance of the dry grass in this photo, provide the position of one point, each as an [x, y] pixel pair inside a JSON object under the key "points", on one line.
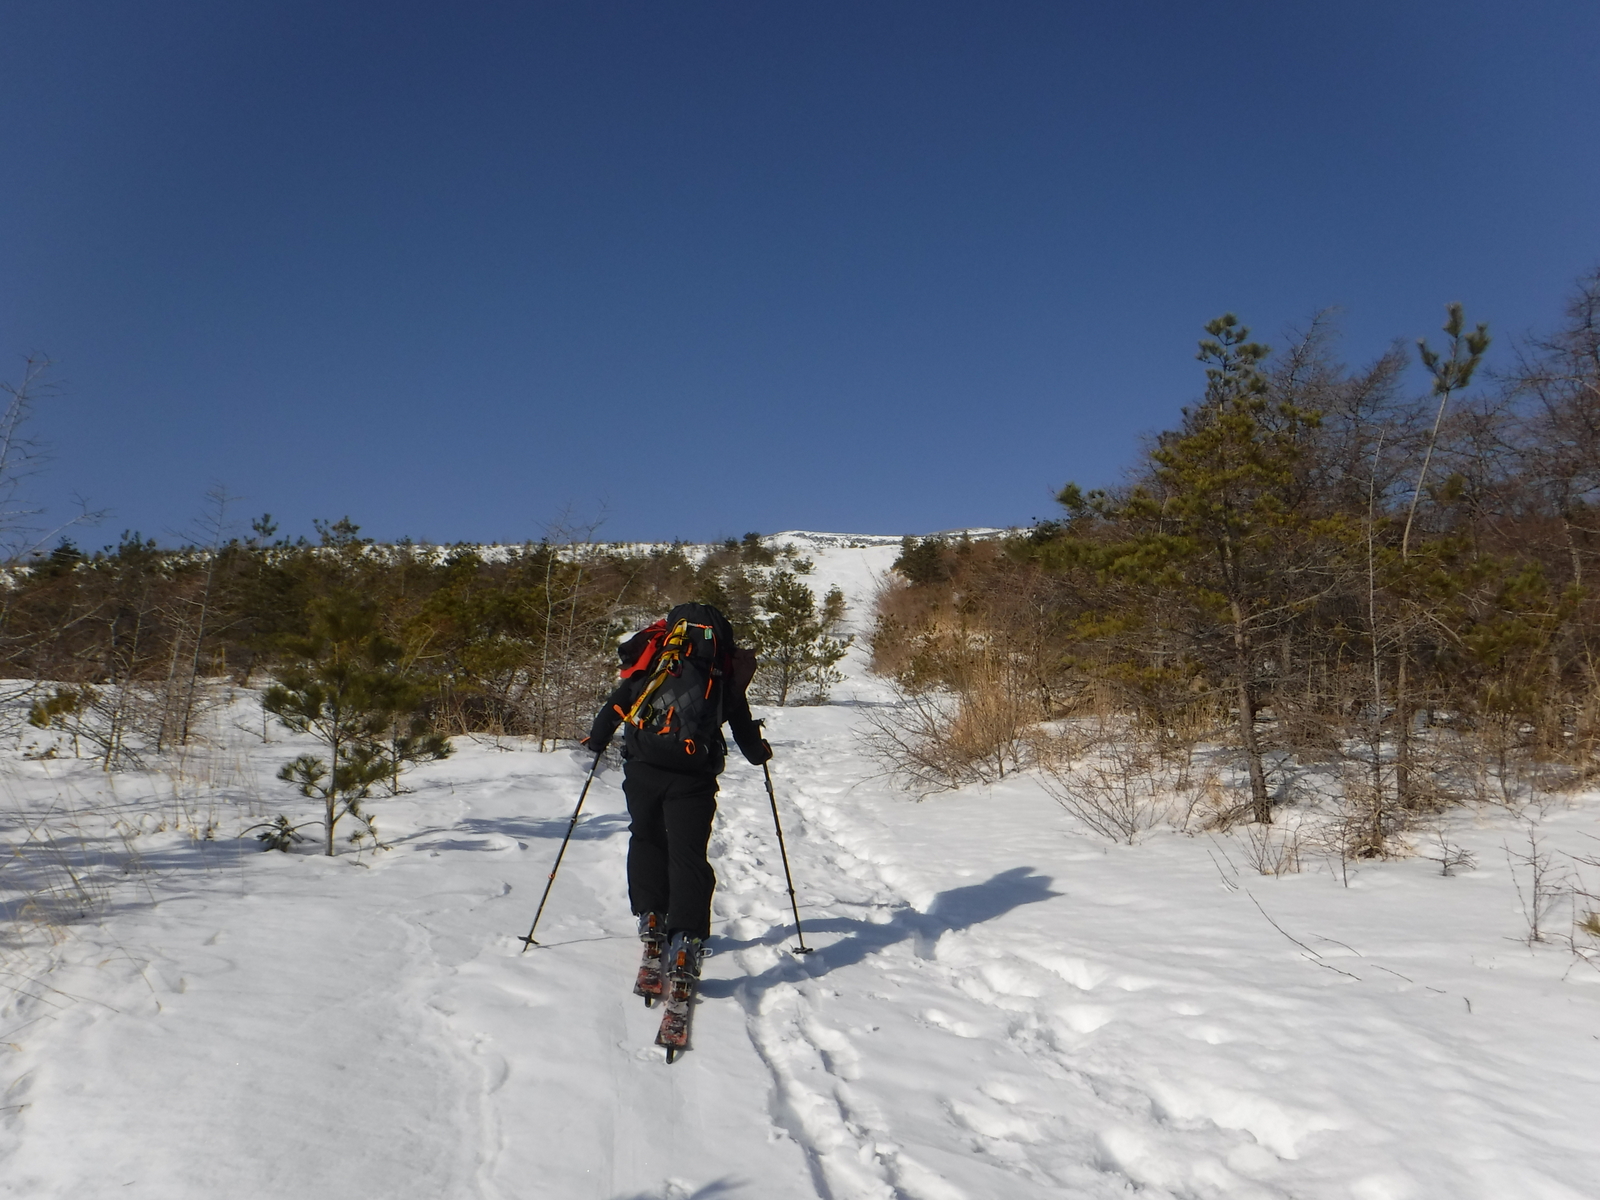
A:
{"points": [[1271, 849], [934, 741], [54, 870], [1112, 785]]}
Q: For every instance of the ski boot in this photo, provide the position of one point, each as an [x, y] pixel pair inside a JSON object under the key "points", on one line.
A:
{"points": [[683, 975], [653, 933]]}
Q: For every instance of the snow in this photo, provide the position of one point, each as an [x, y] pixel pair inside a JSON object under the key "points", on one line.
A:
{"points": [[999, 1004]]}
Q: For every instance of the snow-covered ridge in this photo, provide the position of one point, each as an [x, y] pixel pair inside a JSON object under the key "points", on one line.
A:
{"points": [[862, 540], [499, 552], [799, 538]]}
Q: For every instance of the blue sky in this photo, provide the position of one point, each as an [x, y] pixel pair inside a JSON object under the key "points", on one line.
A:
{"points": [[714, 267]]}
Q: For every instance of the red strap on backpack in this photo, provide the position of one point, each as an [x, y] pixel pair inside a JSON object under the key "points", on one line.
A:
{"points": [[656, 634]]}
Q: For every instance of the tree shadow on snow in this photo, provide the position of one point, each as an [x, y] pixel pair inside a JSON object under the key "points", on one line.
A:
{"points": [[596, 827], [712, 1191], [950, 912]]}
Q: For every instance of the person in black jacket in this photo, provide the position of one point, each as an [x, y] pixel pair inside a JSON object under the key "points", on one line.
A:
{"points": [[669, 779]]}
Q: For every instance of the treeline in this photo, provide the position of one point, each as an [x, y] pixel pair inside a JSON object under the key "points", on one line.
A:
{"points": [[124, 647], [1325, 572]]}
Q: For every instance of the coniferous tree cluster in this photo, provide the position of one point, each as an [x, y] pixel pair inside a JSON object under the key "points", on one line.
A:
{"points": [[1314, 569], [793, 640], [380, 650]]}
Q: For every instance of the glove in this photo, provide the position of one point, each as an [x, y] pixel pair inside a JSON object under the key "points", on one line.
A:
{"points": [[596, 745], [762, 755]]}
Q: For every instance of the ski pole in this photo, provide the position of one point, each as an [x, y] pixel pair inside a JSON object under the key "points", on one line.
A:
{"points": [[550, 883], [802, 948]]}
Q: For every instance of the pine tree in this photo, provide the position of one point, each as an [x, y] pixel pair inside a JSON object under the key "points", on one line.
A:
{"points": [[1212, 527], [922, 560], [1450, 375], [346, 689], [793, 640]]}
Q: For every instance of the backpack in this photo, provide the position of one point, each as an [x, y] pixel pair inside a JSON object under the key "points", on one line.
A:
{"points": [[687, 662]]}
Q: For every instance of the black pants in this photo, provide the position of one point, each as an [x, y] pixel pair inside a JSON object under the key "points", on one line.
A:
{"points": [[667, 868]]}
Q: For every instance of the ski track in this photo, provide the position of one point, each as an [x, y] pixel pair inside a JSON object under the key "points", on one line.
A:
{"points": [[996, 1006]]}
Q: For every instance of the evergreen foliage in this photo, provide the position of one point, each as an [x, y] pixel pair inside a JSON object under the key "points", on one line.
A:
{"points": [[794, 641], [1311, 567], [132, 642], [1218, 528], [346, 686], [922, 560]]}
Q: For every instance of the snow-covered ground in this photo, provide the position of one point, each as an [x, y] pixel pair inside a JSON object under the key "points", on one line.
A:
{"points": [[999, 1005]]}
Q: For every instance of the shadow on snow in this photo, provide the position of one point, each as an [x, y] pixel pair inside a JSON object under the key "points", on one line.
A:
{"points": [[714, 1190], [950, 912], [591, 828]]}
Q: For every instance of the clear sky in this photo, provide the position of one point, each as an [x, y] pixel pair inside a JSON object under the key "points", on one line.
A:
{"points": [[713, 266]]}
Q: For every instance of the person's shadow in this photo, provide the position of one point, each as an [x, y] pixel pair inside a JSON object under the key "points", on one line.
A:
{"points": [[952, 910]]}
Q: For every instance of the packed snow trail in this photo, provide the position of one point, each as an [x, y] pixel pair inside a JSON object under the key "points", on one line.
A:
{"points": [[998, 1005]]}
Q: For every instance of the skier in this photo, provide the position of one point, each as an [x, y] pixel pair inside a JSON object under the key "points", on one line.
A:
{"points": [[682, 678]]}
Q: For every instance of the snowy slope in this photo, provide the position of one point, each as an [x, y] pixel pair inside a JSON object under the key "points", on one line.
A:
{"points": [[999, 1005]]}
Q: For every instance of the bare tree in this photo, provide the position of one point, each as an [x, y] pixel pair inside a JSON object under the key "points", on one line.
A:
{"points": [[22, 456]]}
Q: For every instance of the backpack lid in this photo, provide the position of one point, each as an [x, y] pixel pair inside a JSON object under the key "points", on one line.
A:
{"points": [[703, 614], [639, 651]]}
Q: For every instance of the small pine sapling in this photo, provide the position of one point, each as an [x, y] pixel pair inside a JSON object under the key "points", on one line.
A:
{"points": [[794, 642], [349, 691], [278, 834]]}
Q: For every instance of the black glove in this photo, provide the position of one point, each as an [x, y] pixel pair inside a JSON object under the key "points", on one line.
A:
{"points": [[596, 745], [764, 754]]}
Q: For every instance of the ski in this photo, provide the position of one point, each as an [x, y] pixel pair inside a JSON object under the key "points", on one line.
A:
{"points": [[683, 977], [674, 1033], [648, 981]]}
